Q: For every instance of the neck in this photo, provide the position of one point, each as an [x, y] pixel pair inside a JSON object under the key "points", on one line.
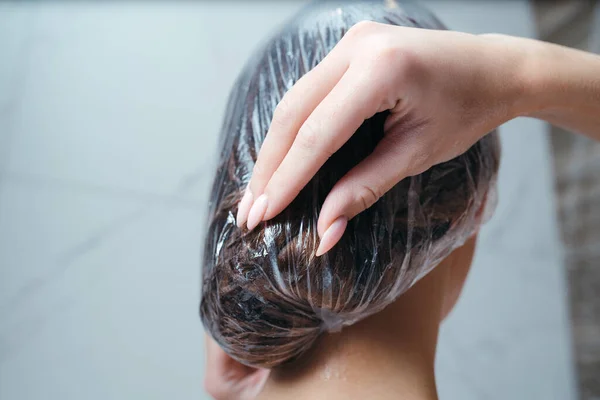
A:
{"points": [[389, 355]]}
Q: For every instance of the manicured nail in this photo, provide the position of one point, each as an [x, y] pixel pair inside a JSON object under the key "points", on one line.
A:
{"points": [[244, 208], [332, 235], [257, 212]]}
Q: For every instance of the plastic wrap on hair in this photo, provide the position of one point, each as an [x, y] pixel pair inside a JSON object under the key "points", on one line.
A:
{"points": [[265, 296]]}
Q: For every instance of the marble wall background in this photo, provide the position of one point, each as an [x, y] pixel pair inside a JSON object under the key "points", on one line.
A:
{"points": [[108, 117]]}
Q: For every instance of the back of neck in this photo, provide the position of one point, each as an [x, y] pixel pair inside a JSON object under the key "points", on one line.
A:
{"points": [[389, 355]]}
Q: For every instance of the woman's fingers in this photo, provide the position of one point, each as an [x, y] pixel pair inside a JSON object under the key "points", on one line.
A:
{"points": [[226, 378], [354, 99], [364, 184], [294, 108]]}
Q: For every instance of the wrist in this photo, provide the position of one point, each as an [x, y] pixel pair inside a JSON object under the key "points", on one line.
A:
{"points": [[556, 83], [517, 63]]}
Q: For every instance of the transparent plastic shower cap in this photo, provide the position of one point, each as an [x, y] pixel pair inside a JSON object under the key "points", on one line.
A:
{"points": [[265, 296]]}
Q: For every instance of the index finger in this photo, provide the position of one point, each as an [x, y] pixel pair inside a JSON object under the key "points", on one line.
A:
{"points": [[289, 115], [354, 99]]}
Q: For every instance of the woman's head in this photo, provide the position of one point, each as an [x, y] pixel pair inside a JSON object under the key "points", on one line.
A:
{"points": [[266, 297]]}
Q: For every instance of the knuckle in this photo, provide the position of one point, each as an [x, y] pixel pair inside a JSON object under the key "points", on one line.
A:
{"points": [[386, 54], [361, 29], [282, 114], [308, 136], [383, 46], [258, 171], [366, 196], [419, 161]]}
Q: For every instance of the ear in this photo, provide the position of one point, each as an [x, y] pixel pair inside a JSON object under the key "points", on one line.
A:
{"points": [[461, 264], [480, 214], [481, 211], [459, 267]]}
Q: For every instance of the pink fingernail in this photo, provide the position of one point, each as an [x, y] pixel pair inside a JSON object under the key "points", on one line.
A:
{"points": [[244, 208], [332, 235], [257, 212]]}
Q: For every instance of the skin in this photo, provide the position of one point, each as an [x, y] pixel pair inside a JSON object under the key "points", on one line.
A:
{"points": [[389, 355], [447, 90]]}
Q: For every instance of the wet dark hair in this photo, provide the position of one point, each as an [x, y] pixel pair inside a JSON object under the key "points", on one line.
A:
{"points": [[265, 296]]}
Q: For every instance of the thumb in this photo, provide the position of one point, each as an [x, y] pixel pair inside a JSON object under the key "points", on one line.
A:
{"points": [[363, 185]]}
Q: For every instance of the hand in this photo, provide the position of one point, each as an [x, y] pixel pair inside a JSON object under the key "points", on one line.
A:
{"points": [[445, 90], [227, 379]]}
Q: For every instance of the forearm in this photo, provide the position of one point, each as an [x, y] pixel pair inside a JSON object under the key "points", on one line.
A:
{"points": [[559, 84]]}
